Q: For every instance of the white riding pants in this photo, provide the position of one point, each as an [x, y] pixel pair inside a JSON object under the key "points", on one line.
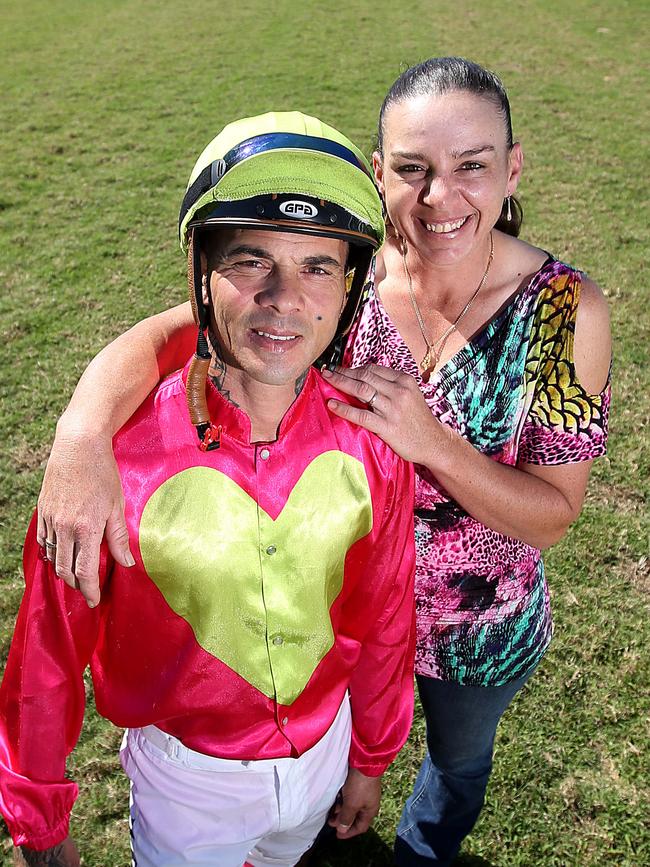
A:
{"points": [[188, 808]]}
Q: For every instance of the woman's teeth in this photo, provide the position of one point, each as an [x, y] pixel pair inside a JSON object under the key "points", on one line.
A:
{"points": [[443, 228]]}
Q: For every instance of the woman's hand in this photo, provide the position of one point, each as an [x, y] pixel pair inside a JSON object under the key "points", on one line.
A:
{"points": [[80, 501], [395, 409], [531, 503]]}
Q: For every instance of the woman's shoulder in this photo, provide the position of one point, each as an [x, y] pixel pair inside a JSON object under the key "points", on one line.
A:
{"points": [[556, 274], [592, 351], [521, 257], [540, 275], [567, 299]]}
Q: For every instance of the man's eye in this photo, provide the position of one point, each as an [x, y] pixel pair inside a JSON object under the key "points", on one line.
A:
{"points": [[316, 269], [472, 166], [253, 264]]}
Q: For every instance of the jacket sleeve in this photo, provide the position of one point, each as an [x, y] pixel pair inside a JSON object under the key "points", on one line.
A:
{"points": [[42, 700], [381, 687]]}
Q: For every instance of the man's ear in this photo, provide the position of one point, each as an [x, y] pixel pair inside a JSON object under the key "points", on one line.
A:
{"points": [[205, 295]]}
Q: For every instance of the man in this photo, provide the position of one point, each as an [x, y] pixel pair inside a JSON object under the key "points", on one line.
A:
{"points": [[259, 651]]}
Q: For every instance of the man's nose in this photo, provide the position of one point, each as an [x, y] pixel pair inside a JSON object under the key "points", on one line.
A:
{"points": [[283, 292]]}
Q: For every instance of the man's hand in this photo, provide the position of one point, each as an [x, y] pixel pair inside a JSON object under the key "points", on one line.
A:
{"points": [[357, 806], [80, 501], [65, 854]]}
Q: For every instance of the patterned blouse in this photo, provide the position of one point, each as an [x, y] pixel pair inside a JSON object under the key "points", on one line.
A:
{"points": [[483, 613]]}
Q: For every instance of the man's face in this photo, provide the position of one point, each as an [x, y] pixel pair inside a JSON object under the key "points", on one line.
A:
{"points": [[276, 298]]}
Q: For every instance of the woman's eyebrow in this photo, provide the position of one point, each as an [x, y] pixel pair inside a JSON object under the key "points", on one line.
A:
{"points": [[407, 155], [472, 152]]}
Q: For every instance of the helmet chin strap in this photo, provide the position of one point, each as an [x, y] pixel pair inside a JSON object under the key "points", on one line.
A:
{"points": [[354, 298], [209, 434]]}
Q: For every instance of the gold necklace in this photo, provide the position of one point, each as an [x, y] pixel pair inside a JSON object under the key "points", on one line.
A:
{"points": [[434, 350]]}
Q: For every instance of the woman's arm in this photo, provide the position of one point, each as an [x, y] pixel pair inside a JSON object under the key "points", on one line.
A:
{"points": [[529, 502], [81, 498]]}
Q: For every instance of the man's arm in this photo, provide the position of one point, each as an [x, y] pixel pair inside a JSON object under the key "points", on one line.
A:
{"points": [[381, 688], [42, 701], [357, 806], [81, 498]]}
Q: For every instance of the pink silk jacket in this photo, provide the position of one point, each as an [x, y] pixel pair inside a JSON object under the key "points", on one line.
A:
{"points": [[270, 579]]}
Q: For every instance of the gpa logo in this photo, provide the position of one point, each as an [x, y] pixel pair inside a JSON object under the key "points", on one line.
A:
{"points": [[296, 208]]}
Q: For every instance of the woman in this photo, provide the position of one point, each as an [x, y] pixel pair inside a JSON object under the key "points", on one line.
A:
{"points": [[481, 359], [510, 351]]}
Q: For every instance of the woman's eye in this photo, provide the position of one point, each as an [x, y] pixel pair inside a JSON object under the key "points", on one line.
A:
{"points": [[410, 168]]}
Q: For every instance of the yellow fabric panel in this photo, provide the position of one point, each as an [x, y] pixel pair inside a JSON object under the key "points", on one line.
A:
{"points": [[265, 613]]}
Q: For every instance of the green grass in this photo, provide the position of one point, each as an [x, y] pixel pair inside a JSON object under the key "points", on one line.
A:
{"points": [[104, 108]]}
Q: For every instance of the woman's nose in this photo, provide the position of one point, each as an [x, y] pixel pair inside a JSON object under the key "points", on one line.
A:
{"points": [[436, 190]]}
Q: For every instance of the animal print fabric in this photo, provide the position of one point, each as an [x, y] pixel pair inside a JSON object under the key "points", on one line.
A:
{"points": [[482, 601]]}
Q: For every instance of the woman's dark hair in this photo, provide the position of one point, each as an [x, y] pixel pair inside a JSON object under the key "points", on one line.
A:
{"points": [[441, 75]]}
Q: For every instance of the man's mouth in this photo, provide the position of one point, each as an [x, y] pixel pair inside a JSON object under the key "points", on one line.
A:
{"points": [[278, 337], [446, 227]]}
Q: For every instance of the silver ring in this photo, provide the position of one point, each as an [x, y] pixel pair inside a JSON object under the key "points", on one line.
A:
{"points": [[49, 544], [370, 403]]}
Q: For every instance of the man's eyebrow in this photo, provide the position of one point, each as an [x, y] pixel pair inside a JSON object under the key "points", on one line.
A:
{"points": [[472, 152], [322, 260], [246, 250]]}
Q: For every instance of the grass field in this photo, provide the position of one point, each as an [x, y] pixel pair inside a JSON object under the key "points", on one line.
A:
{"points": [[104, 108]]}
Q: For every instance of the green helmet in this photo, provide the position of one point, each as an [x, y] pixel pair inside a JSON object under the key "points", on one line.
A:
{"points": [[286, 172]]}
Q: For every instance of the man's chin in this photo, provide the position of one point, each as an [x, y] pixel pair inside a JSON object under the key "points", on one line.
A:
{"points": [[278, 369], [274, 374]]}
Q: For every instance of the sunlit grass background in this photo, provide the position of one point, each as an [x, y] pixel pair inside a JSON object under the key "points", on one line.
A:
{"points": [[103, 109]]}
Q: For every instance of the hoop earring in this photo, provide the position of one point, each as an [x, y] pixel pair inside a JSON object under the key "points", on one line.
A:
{"points": [[509, 209], [390, 229]]}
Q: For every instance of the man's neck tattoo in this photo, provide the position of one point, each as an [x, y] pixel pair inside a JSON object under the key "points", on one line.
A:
{"points": [[301, 381], [218, 369]]}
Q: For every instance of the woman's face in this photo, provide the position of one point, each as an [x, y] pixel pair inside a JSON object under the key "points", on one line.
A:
{"points": [[445, 172]]}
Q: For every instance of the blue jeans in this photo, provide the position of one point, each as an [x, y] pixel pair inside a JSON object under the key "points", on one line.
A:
{"points": [[450, 788]]}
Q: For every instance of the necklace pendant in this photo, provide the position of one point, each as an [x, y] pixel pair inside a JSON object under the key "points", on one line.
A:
{"points": [[428, 363]]}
